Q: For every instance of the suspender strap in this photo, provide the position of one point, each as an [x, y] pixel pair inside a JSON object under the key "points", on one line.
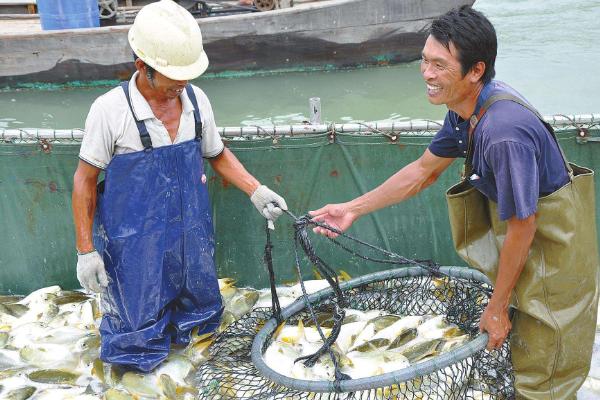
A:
{"points": [[144, 135], [197, 119], [468, 168]]}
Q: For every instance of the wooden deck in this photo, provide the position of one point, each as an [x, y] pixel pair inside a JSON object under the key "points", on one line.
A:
{"points": [[18, 7], [18, 25]]}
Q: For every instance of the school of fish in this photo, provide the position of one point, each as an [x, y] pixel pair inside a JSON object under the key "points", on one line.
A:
{"points": [[370, 343], [49, 346]]}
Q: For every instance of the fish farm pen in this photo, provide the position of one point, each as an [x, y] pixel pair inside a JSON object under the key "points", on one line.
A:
{"points": [[309, 165], [402, 328]]}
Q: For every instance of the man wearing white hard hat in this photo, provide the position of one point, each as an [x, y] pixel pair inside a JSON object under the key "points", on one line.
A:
{"points": [[145, 235]]}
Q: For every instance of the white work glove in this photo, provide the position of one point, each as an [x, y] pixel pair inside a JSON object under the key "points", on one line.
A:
{"points": [[90, 272], [263, 199]]}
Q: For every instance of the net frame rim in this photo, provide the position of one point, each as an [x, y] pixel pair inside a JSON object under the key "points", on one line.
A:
{"points": [[439, 362]]}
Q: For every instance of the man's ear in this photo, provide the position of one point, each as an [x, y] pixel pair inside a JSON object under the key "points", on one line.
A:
{"points": [[477, 71], [140, 65]]}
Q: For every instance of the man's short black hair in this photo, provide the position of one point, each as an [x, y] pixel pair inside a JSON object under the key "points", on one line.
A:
{"points": [[472, 34]]}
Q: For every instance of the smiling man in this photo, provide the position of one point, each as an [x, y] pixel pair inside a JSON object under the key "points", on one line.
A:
{"points": [[536, 235], [151, 252]]}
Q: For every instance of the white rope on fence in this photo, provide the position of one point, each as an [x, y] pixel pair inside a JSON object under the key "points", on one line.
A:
{"points": [[402, 128]]}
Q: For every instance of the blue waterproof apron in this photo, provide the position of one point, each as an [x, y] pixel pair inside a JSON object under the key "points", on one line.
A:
{"points": [[154, 231]]}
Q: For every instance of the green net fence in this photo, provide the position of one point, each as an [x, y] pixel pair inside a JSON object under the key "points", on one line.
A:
{"points": [[308, 165]]}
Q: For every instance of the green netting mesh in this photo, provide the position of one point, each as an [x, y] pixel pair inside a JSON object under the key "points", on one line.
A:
{"points": [[307, 170]]}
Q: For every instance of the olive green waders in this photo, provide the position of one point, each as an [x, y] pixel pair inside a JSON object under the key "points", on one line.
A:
{"points": [[556, 296]]}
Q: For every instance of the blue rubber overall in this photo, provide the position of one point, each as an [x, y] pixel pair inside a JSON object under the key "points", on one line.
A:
{"points": [[153, 228]]}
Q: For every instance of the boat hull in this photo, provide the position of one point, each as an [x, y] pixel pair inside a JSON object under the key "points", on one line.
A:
{"points": [[329, 34]]}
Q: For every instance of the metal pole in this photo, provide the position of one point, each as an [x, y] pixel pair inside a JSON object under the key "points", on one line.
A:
{"points": [[315, 110]]}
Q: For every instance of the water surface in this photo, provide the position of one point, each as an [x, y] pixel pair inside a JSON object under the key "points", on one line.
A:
{"points": [[548, 50]]}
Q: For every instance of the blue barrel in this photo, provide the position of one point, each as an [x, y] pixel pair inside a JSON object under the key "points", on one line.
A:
{"points": [[68, 14]]}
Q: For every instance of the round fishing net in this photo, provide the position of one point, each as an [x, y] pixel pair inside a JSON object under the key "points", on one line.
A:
{"points": [[237, 367]]}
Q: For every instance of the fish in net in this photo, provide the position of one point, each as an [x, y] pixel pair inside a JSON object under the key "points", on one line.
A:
{"points": [[242, 363]]}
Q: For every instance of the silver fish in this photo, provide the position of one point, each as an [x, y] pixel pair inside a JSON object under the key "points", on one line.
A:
{"points": [[139, 385], [242, 302], [53, 376], [4, 336], [417, 349], [50, 356], [14, 310], [115, 394], [21, 393]]}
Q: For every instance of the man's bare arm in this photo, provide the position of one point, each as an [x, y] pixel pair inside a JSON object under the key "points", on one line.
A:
{"points": [[84, 204], [229, 167], [404, 184], [514, 253]]}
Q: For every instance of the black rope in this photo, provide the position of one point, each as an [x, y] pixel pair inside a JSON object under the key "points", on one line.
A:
{"points": [[268, 258], [432, 267], [327, 272], [338, 314], [301, 238]]}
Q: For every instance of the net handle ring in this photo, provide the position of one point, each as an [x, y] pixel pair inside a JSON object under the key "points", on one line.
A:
{"points": [[439, 362]]}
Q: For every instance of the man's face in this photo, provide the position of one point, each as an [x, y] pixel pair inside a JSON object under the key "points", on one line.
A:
{"points": [[166, 87], [442, 73]]}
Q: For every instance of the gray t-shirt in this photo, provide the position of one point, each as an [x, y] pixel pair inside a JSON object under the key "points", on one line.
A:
{"points": [[110, 127]]}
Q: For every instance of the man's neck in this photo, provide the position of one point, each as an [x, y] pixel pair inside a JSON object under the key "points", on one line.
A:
{"points": [[466, 107]]}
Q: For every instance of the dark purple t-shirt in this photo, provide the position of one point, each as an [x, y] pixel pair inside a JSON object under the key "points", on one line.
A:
{"points": [[515, 160]]}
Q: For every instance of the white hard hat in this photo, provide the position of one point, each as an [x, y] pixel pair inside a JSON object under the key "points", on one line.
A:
{"points": [[167, 37]]}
